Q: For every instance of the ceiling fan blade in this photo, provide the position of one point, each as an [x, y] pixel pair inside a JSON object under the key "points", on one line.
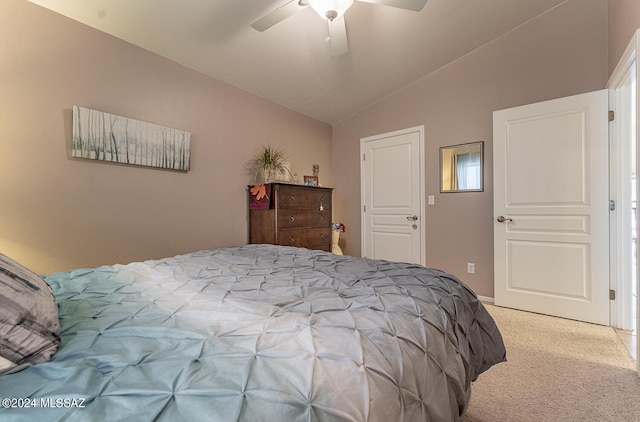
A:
{"points": [[279, 14], [415, 5], [338, 34]]}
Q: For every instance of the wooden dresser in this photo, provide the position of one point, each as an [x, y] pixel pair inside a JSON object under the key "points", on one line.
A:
{"points": [[297, 216]]}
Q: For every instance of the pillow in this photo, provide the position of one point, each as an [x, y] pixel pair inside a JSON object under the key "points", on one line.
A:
{"points": [[29, 327], [5, 365]]}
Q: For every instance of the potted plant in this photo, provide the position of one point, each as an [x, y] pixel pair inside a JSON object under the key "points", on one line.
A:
{"points": [[270, 164]]}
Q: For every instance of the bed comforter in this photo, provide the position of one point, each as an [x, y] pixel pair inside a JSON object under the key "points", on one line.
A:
{"points": [[259, 333]]}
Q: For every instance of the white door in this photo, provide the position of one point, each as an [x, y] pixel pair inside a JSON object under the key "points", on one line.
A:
{"points": [[551, 207], [392, 186]]}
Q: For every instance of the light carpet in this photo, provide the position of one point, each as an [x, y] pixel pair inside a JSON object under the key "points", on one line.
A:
{"points": [[556, 370]]}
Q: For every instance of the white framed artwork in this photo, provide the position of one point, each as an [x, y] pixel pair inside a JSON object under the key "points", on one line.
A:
{"points": [[107, 137]]}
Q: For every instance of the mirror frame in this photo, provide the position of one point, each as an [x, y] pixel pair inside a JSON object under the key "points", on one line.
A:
{"points": [[452, 147]]}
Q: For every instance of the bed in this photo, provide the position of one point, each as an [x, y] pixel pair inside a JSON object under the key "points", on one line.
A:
{"points": [[257, 333]]}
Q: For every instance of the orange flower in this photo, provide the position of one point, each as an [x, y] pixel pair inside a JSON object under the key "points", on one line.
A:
{"points": [[259, 191]]}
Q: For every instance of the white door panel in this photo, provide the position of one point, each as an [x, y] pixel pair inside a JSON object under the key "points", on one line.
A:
{"points": [[569, 261], [391, 245], [551, 187], [555, 140], [391, 187], [392, 180]]}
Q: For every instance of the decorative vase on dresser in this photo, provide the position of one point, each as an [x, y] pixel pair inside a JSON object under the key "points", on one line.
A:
{"points": [[335, 238], [297, 215]]}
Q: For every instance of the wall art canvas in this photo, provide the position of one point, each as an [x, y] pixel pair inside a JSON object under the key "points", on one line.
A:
{"points": [[107, 137]]}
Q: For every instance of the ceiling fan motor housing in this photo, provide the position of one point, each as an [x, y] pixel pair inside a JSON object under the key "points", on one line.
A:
{"points": [[331, 14], [330, 9]]}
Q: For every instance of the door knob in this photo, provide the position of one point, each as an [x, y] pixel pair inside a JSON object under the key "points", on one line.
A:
{"points": [[412, 218], [503, 219]]}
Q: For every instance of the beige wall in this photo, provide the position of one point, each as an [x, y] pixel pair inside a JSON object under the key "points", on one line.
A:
{"points": [[561, 53], [58, 213], [624, 20]]}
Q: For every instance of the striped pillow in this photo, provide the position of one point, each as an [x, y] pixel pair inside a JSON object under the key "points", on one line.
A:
{"points": [[29, 327]]}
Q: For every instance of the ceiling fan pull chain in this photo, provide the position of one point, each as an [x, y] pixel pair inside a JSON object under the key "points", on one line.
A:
{"points": [[328, 41]]}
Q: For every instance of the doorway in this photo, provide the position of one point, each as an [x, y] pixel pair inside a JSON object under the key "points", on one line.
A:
{"points": [[624, 220]]}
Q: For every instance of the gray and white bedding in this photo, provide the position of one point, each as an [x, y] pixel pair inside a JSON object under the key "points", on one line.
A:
{"points": [[258, 333]]}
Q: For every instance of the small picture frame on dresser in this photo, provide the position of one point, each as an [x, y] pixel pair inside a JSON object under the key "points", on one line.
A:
{"points": [[311, 180]]}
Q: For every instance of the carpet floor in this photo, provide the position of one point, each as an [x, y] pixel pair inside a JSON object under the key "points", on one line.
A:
{"points": [[556, 370]]}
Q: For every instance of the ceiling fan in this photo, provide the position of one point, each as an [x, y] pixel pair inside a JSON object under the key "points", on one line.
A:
{"points": [[333, 12]]}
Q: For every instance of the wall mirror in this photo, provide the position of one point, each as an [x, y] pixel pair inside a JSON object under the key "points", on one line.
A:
{"points": [[461, 167]]}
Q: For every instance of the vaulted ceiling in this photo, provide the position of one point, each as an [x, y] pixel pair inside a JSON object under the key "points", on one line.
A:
{"points": [[290, 63]]}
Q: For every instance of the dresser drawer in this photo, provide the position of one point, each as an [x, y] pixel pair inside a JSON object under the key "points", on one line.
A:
{"points": [[314, 238], [293, 218], [307, 198]]}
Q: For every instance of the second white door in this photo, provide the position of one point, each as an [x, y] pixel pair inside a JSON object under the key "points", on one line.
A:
{"points": [[392, 184], [551, 204]]}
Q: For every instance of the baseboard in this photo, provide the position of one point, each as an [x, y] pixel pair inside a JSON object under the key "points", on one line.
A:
{"points": [[485, 299]]}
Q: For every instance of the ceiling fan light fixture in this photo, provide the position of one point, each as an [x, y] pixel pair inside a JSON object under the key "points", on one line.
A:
{"points": [[330, 9]]}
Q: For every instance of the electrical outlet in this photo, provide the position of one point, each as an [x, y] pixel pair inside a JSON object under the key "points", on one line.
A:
{"points": [[471, 268]]}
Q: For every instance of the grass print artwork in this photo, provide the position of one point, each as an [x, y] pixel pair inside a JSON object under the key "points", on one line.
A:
{"points": [[107, 137]]}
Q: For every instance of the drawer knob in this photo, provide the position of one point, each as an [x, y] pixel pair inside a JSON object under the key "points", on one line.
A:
{"points": [[292, 197], [321, 217], [292, 218], [321, 235], [292, 239]]}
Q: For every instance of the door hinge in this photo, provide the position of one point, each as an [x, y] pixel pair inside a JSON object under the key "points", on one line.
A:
{"points": [[611, 115], [364, 157], [612, 295], [364, 208], [612, 205]]}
